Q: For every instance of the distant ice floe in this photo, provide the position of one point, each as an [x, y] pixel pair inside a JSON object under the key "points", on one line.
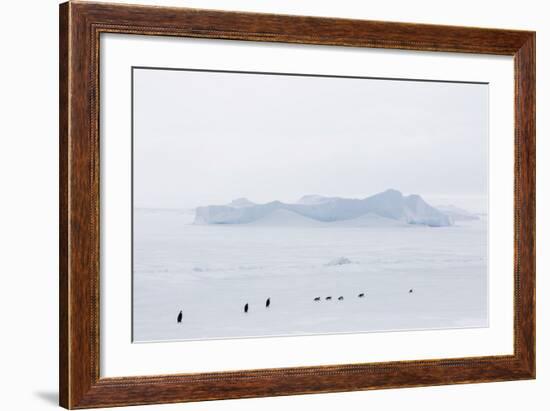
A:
{"points": [[339, 261], [388, 208], [457, 214]]}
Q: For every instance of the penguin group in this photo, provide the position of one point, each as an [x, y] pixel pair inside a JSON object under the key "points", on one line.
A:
{"points": [[268, 303], [340, 298]]}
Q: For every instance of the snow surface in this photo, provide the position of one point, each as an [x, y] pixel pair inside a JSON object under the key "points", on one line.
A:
{"points": [[390, 204], [210, 271]]}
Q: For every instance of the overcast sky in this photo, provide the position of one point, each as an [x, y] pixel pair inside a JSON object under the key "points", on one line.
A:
{"points": [[204, 138]]}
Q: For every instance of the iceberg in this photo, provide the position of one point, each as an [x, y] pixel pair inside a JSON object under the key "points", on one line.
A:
{"points": [[390, 205]]}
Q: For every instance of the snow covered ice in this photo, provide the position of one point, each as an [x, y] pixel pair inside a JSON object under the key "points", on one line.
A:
{"points": [[210, 264]]}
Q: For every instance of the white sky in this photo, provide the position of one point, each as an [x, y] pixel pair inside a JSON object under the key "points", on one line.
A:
{"points": [[204, 138]]}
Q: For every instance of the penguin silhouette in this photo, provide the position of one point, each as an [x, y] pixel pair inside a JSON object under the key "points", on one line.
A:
{"points": [[411, 291], [267, 302], [317, 299], [340, 298], [180, 316], [246, 308], [328, 298], [361, 295]]}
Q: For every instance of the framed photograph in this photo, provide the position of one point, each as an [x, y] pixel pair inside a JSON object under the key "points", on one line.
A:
{"points": [[258, 205]]}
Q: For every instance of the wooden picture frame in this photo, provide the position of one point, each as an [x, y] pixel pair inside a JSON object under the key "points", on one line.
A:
{"points": [[81, 24]]}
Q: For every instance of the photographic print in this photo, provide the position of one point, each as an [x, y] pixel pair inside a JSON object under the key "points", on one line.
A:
{"points": [[284, 204], [255, 205]]}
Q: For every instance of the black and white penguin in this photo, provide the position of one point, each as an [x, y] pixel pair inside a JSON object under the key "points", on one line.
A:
{"points": [[246, 308], [180, 316], [267, 303]]}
